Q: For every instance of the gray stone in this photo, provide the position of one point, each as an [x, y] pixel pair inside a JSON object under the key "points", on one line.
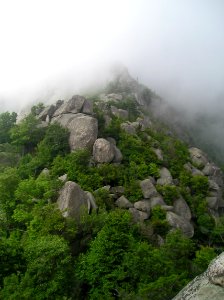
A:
{"points": [[208, 285], [182, 209], [143, 205], [123, 202], [138, 216], [103, 151], [165, 177], [198, 157], [212, 202], [45, 171], [91, 203], [148, 189], [63, 178], [83, 129], [158, 153], [120, 113], [128, 128], [196, 172], [111, 140], [178, 222], [117, 155], [72, 200], [87, 107], [158, 200], [73, 105], [167, 207], [117, 190], [144, 122], [48, 111]]}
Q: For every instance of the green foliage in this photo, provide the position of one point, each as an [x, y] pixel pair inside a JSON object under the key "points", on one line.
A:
{"points": [[158, 220], [27, 134], [169, 192], [7, 121], [199, 185], [203, 257], [103, 199], [37, 109]]}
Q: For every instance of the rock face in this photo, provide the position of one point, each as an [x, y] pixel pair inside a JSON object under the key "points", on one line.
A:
{"points": [[83, 129], [179, 222], [209, 285], [72, 200], [143, 205]]}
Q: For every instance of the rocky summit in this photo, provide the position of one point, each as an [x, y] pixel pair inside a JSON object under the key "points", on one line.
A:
{"points": [[102, 199]]}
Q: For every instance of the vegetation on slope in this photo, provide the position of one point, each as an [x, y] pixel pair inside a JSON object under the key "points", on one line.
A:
{"points": [[106, 255]]}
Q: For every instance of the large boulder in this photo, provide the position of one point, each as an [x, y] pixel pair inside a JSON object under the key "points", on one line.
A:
{"points": [[118, 112], [103, 151], [198, 157], [143, 205], [48, 111], [138, 216], [165, 177], [72, 199], [157, 200], [148, 188], [182, 209], [178, 222], [73, 105], [209, 285], [123, 202], [83, 129], [128, 128]]}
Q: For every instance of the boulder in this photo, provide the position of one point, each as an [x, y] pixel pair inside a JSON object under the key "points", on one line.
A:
{"points": [[143, 205], [117, 155], [63, 178], [165, 177], [87, 107], [48, 111], [103, 151], [182, 209], [158, 200], [73, 105], [158, 153], [148, 189], [72, 199], [209, 285], [123, 202], [83, 129], [178, 222], [138, 216], [45, 172], [128, 128], [117, 190], [120, 113], [213, 202], [198, 157], [91, 203]]}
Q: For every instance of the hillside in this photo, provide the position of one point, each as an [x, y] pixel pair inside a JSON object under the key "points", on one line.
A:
{"points": [[99, 199]]}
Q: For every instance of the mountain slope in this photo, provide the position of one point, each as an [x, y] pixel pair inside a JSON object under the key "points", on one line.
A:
{"points": [[102, 201]]}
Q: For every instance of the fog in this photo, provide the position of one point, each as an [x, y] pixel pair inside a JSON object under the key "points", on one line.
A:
{"points": [[53, 48]]}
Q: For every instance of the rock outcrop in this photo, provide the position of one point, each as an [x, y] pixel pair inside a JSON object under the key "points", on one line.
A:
{"points": [[83, 129], [208, 286], [73, 200]]}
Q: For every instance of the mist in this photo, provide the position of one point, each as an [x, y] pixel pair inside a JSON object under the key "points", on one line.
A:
{"points": [[53, 49]]}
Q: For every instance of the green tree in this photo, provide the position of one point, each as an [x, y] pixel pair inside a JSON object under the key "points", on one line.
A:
{"points": [[7, 121]]}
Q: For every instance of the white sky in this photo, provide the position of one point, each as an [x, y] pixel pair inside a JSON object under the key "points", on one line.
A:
{"points": [[174, 46]]}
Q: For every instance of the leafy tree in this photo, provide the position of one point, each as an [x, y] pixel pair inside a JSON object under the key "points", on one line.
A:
{"points": [[7, 121], [27, 134]]}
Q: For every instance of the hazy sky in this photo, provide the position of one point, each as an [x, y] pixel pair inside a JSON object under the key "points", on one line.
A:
{"points": [[176, 47]]}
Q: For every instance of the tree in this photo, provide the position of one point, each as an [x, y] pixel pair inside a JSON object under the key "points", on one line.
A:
{"points": [[27, 134], [7, 121]]}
